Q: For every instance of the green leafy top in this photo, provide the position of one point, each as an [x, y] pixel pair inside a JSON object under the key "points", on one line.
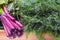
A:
{"points": [[1, 11], [4, 1]]}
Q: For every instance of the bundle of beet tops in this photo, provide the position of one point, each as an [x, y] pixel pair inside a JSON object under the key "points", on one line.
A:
{"points": [[12, 27]]}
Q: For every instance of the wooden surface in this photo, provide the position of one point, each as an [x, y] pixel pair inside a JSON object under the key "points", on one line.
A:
{"points": [[23, 37], [31, 36]]}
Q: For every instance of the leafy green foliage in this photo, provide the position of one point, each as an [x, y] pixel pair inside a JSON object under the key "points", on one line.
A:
{"points": [[2, 2], [5, 1], [38, 15]]}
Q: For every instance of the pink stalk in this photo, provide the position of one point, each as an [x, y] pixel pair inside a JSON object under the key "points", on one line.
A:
{"points": [[8, 22], [19, 29], [6, 31], [9, 30], [5, 27], [18, 23], [5, 9], [12, 27], [10, 17], [7, 13], [14, 24]]}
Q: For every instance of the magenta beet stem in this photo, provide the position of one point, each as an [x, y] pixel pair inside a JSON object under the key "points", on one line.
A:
{"points": [[14, 24], [8, 22], [12, 27], [9, 31], [5, 10], [18, 23], [7, 13], [5, 27]]}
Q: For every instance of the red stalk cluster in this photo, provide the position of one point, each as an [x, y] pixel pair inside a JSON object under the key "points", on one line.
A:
{"points": [[12, 27]]}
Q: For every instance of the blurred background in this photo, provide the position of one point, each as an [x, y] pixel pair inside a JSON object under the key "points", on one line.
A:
{"points": [[40, 16]]}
